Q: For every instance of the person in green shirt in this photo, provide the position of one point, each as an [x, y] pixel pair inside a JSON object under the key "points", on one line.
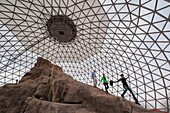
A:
{"points": [[105, 83]]}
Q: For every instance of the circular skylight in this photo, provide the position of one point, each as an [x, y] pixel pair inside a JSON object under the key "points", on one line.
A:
{"points": [[61, 29]]}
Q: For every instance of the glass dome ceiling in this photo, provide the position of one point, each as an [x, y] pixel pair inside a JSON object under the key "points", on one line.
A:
{"points": [[112, 37]]}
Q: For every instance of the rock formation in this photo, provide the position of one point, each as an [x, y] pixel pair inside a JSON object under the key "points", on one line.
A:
{"points": [[46, 89]]}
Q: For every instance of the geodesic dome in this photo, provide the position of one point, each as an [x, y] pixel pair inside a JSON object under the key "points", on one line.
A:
{"points": [[109, 36]]}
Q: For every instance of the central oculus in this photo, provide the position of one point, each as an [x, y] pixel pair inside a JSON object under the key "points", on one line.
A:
{"points": [[61, 28]]}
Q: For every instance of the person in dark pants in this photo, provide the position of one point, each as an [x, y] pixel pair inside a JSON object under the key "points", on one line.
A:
{"points": [[105, 82], [126, 87]]}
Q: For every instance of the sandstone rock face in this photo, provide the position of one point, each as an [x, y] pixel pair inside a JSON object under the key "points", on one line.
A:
{"points": [[46, 89], [39, 106]]}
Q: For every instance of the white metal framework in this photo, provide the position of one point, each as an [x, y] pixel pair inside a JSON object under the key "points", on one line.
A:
{"points": [[112, 37]]}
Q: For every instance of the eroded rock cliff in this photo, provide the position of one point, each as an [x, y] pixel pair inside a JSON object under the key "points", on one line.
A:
{"points": [[46, 89]]}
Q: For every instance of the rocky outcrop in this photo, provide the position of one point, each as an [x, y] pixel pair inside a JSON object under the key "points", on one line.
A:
{"points": [[38, 106], [47, 89]]}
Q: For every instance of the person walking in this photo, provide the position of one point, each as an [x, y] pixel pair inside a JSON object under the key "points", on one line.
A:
{"points": [[93, 76], [105, 83], [126, 87]]}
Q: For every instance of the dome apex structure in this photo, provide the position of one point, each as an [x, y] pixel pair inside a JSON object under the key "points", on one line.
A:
{"points": [[110, 36], [61, 29]]}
